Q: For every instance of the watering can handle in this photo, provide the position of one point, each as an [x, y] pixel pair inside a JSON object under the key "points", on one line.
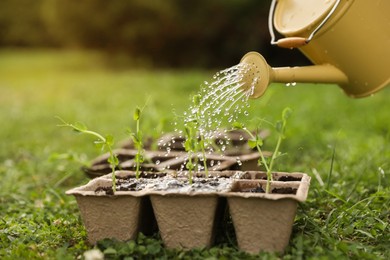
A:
{"points": [[294, 42]]}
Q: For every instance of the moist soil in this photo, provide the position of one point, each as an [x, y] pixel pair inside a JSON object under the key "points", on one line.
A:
{"points": [[163, 182], [131, 183], [285, 178], [286, 190], [289, 178]]}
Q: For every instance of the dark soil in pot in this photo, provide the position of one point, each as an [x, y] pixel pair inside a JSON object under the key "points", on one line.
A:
{"points": [[277, 176], [127, 181], [259, 189], [216, 181], [183, 185]]}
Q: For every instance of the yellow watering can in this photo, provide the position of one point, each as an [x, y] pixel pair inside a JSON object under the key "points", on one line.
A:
{"points": [[348, 40]]}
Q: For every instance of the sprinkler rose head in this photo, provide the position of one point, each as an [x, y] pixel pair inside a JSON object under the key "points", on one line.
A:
{"points": [[257, 75]]}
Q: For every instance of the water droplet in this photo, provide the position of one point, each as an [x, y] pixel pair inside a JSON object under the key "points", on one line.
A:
{"points": [[238, 161]]}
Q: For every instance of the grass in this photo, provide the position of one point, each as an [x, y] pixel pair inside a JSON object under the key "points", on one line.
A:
{"points": [[341, 142]]}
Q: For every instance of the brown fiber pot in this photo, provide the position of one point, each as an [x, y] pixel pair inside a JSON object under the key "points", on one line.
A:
{"points": [[186, 220], [118, 216], [263, 222], [189, 219]]}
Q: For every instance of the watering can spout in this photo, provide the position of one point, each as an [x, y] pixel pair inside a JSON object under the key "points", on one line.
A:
{"points": [[258, 75]]}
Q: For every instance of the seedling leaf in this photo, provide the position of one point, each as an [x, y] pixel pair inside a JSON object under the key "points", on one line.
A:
{"points": [[139, 158], [109, 140], [196, 100], [237, 125], [252, 143], [137, 114], [113, 160], [286, 113], [80, 127], [134, 137], [188, 131], [189, 166], [99, 144]]}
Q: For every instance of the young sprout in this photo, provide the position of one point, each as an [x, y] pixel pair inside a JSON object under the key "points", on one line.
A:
{"points": [[200, 129], [105, 143], [190, 146], [255, 141], [137, 139], [195, 138]]}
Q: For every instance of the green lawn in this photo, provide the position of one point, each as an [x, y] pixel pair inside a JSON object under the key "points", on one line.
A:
{"points": [[347, 211]]}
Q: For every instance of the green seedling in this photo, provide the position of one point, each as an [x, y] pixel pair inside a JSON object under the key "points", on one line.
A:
{"points": [[195, 139], [255, 141], [137, 139], [104, 143], [199, 125]]}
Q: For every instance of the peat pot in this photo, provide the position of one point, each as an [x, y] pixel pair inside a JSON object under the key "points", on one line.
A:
{"points": [[121, 216], [188, 215], [263, 222], [185, 221]]}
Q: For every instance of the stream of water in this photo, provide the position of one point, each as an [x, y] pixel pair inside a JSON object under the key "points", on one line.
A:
{"points": [[222, 101]]}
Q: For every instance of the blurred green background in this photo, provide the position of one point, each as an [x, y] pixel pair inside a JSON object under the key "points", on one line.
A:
{"points": [[151, 33]]}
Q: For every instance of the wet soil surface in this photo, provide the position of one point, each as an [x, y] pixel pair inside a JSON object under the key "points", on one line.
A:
{"points": [[289, 178], [287, 190], [212, 184], [160, 182]]}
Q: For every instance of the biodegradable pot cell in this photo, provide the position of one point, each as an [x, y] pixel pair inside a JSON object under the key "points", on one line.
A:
{"points": [[118, 216], [185, 221], [263, 222], [187, 216], [276, 176]]}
